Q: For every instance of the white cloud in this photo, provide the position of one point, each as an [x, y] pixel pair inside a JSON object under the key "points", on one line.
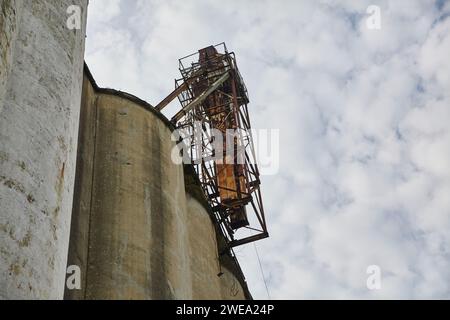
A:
{"points": [[103, 11], [365, 150]]}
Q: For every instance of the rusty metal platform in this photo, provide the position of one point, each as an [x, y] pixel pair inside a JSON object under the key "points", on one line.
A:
{"points": [[214, 119]]}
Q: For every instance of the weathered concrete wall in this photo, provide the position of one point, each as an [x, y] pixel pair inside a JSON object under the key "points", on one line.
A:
{"points": [[9, 18], [136, 232], [79, 233], [230, 286], [211, 277], [40, 92], [205, 265], [136, 248], [216, 274], [128, 232]]}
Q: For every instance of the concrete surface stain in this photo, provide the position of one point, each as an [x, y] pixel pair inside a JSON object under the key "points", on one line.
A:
{"points": [[25, 242], [59, 189], [22, 165], [14, 269], [4, 157], [55, 236], [18, 187], [30, 198], [62, 143]]}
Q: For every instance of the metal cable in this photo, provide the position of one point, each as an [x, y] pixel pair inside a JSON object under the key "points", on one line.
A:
{"points": [[262, 271]]}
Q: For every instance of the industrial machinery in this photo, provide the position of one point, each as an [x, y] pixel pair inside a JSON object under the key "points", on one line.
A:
{"points": [[216, 128]]}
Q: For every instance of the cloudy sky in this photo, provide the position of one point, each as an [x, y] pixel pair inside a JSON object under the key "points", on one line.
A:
{"points": [[363, 115]]}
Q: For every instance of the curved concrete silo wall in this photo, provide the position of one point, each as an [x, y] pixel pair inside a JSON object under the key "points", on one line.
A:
{"points": [[40, 92], [205, 265], [128, 233], [215, 273], [137, 231]]}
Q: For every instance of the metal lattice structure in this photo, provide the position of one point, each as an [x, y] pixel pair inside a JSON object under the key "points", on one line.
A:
{"points": [[215, 120]]}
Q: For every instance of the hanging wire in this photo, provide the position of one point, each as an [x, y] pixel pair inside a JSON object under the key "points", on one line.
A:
{"points": [[262, 271]]}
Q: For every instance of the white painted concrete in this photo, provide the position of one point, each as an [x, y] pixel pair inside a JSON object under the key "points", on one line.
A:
{"points": [[40, 92]]}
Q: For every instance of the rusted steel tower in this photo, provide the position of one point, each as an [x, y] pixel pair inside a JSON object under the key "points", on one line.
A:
{"points": [[215, 120]]}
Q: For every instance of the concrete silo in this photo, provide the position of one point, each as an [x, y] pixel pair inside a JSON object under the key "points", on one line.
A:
{"points": [[87, 179], [141, 227], [40, 90]]}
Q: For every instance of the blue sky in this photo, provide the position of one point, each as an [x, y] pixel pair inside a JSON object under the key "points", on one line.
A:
{"points": [[363, 115]]}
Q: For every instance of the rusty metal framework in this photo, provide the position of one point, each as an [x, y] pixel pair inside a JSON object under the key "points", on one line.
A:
{"points": [[214, 117]]}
